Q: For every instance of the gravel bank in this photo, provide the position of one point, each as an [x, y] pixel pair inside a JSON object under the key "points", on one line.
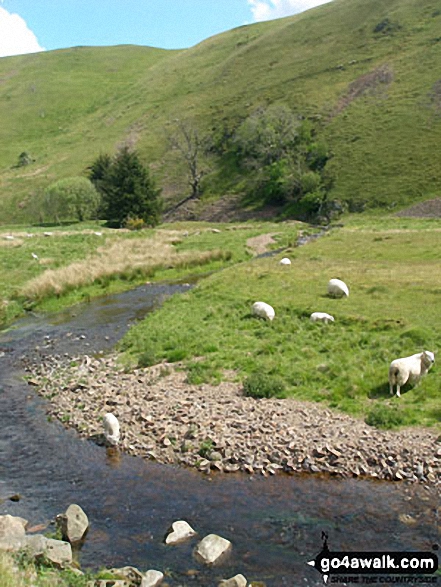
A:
{"points": [[216, 428]]}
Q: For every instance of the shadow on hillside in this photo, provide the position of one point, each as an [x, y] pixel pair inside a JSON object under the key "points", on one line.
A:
{"points": [[380, 391]]}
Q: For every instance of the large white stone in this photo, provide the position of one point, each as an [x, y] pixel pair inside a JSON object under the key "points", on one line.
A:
{"points": [[56, 551], [179, 531], [152, 578], [236, 581], [74, 523], [12, 526], [211, 548]]}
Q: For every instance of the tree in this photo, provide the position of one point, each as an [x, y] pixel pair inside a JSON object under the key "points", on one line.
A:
{"points": [[126, 188], [71, 198], [268, 135], [191, 146]]}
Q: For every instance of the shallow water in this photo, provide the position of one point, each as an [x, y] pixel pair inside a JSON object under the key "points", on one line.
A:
{"points": [[275, 524]]}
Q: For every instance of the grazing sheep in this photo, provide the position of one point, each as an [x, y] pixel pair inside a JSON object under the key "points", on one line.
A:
{"points": [[285, 261], [321, 317], [111, 429], [409, 369], [263, 310], [337, 288]]}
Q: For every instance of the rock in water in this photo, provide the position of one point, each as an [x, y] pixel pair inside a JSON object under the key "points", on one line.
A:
{"points": [[211, 548], [179, 531], [73, 524], [152, 578], [236, 581]]}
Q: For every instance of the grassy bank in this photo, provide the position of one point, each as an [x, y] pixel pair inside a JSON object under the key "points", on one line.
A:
{"points": [[78, 262], [18, 570], [392, 268]]}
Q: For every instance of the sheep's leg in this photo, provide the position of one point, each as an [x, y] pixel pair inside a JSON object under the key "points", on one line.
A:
{"points": [[391, 388], [398, 390]]}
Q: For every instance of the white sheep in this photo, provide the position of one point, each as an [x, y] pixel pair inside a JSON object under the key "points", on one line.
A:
{"points": [[321, 317], [111, 429], [337, 288], [409, 369], [285, 261], [263, 310]]}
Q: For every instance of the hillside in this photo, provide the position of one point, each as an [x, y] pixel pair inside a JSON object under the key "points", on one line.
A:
{"points": [[368, 73]]}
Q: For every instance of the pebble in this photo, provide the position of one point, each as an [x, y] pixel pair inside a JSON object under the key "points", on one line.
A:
{"points": [[164, 418]]}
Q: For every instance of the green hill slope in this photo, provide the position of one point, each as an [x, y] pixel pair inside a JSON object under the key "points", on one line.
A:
{"points": [[368, 73]]}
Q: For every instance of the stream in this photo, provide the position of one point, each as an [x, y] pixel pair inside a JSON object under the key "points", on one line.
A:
{"points": [[275, 524]]}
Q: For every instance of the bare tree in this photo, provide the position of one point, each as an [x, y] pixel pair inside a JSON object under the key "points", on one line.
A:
{"points": [[191, 146]]}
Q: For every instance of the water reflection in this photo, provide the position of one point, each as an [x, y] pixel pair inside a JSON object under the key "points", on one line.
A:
{"points": [[274, 524]]}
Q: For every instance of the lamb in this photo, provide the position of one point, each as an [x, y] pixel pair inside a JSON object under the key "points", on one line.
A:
{"points": [[111, 429], [285, 261], [337, 288], [321, 317], [409, 369], [263, 310]]}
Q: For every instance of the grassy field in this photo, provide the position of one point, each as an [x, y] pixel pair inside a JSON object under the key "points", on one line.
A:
{"points": [[392, 268], [366, 72], [74, 263]]}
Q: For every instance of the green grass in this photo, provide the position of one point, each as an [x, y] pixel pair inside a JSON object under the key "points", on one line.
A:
{"points": [[77, 243], [66, 107], [19, 570], [392, 270]]}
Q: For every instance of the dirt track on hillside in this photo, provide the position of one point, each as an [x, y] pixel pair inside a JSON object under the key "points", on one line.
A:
{"points": [[427, 209]]}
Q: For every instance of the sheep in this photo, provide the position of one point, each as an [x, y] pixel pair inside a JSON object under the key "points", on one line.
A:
{"points": [[321, 317], [263, 310], [285, 261], [409, 369], [337, 288], [111, 429]]}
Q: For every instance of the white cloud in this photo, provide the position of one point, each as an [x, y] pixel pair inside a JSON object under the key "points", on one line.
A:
{"points": [[269, 9], [15, 36]]}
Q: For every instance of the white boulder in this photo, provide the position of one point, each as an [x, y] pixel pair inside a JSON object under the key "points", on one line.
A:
{"points": [[211, 548], [178, 532]]}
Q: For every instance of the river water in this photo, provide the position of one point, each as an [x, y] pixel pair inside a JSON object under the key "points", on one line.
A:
{"points": [[275, 524]]}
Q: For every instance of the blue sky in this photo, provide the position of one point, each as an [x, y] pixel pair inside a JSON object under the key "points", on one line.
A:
{"points": [[27, 26]]}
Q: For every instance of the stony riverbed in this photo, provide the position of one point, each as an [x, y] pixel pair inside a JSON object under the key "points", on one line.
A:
{"points": [[218, 429]]}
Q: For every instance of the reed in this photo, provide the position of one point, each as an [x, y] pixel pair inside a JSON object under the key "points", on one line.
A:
{"points": [[122, 259]]}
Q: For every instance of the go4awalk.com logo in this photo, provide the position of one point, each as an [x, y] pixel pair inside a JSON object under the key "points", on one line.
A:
{"points": [[386, 568]]}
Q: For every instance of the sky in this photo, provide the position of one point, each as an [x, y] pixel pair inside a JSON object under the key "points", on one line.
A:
{"points": [[29, 26]]}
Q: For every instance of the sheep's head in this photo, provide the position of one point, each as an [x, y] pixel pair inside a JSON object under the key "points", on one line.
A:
{"points": [[428, 358]]}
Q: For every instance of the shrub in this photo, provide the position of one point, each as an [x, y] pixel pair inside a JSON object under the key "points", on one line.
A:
{"points": [[381, 416], [147, 359], [133, 223], [260, 385], [71, 198]]}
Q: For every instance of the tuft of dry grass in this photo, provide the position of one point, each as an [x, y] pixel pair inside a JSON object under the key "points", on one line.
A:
{"points": [[126, 259]]}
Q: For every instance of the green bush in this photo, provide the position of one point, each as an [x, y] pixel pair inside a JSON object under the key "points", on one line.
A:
{"points": [[147, 359], [71, 198], [133, 223], [261, 385], [381, 416]]}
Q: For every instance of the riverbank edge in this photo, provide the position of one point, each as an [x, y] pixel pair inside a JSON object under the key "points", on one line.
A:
{"points": [[216, 429]]}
